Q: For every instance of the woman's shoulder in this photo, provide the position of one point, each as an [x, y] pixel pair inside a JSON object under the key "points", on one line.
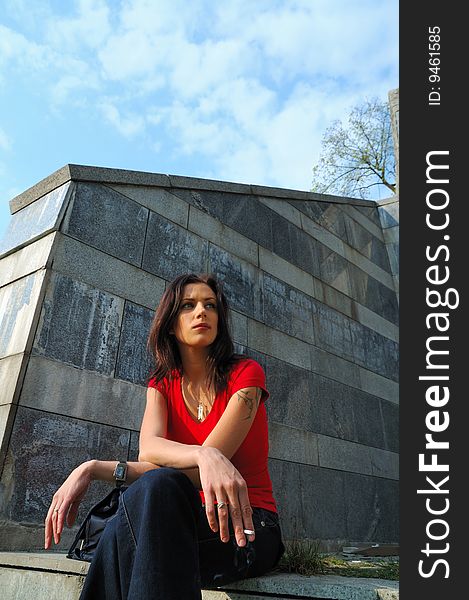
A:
{"points": [[246, 366], [163, 384]]}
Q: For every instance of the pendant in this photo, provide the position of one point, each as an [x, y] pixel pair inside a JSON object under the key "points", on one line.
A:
{"points": [[200, 412]]}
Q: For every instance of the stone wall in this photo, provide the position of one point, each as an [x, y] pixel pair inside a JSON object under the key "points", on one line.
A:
{"points": [[84, 263]]}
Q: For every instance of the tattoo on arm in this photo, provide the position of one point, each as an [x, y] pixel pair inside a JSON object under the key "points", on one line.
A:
{"points": [[249, 400]]}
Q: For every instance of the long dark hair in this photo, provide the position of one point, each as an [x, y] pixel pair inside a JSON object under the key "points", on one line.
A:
{"points": [[163, 346]]}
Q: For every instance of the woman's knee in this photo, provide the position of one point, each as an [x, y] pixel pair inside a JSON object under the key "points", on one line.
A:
{"points": [[163, 481]]}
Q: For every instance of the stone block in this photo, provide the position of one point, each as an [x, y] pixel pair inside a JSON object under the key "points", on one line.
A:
{"points": [[37, 219], [282, 234], [7, 415], [384, 463], [365, 221], [242, 283], [378, 385], [333, 331], [293, 445], [287, 309], [370, 212], [381, 354], [328, 215], [334, 270], [161, 201], [278, 344], [372, 508], [10, 369], [305, 251], [79, 325], [317, 509], [383, 300], [390, 414], [320, 233], [223, 236], [333, 298], [134, 362], [239, 327], [243, 213], [273, 192], [29, 259], [54, 387], [344, 455], [389, 214], [366, 243], [387, 525], [196, 183], [44, 448], [332, 408], [393, 253], [171, 251], [373, 294], [367, 419], [18, 307], [285, 271], [334, 367], [292, 400], [283, 208], [373, 321], [391, 235], [107, 273], [378, 254], [133, 449], [380, 273], [43, 187], [40, 585], [361, 507], [114, 176], [108, 221]]}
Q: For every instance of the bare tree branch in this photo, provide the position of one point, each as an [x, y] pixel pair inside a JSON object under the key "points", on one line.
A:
{"points": [[357, 156]]}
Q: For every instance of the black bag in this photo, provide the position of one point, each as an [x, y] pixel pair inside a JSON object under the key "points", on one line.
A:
{"points": [[89, 534]]}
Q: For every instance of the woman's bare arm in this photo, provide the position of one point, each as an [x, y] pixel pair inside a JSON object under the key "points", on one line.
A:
{"points": [[219, 479]]}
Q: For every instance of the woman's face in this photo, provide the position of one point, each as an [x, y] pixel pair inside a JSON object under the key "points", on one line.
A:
{"points": [[197, 322]]}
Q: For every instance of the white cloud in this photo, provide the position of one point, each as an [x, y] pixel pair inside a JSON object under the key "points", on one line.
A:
{"points": [[16, 49], [89, 27], [5, 143], [129, 125], [247, 87]]}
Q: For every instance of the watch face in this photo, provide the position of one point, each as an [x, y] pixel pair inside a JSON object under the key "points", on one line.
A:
{"points": [[120, 472]]}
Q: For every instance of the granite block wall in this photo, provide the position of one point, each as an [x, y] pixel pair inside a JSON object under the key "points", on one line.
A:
{"points": [[82, 267]]}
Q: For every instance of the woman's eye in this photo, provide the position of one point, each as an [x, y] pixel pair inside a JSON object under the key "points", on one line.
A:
{"points": [[210, 305], [187, 305]]}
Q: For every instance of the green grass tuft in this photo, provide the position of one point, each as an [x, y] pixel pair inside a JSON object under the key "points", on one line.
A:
{"points": [[303, 557]]}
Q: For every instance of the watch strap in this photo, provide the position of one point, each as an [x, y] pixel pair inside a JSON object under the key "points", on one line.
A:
{"points": [[120, 473]]}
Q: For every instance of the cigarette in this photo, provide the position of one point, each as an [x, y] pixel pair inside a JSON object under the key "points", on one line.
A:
{"points": [[249, 532]]}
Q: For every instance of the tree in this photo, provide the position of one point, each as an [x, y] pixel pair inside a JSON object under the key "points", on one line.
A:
{"points": [[358, 156]]}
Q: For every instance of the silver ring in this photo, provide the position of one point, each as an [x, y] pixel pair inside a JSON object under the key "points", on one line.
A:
{"points": [[221, 504], [249, 531]]}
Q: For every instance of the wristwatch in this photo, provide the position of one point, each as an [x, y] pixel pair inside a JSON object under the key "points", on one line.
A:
{"points": [[120, 473]]}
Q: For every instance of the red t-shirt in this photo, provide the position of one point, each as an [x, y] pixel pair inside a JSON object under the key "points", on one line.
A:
{"points": [[251, 457]]}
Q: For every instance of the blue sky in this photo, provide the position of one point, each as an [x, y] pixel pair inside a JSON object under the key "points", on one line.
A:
{"points": [[235, 90]]}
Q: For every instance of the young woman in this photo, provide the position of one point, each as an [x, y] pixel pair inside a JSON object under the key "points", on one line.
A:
{"points": [[201, 511]]}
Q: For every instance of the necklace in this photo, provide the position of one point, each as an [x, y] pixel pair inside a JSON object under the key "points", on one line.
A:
{"points": [[204, 404]]}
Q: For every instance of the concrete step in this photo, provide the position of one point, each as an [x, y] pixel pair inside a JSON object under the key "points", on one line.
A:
{"points": [[52, 576]]}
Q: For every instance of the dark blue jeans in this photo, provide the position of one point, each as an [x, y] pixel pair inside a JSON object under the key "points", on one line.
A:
{"points": [[160, 546]]}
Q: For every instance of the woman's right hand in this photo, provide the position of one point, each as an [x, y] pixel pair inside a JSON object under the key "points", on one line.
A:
{"points": [[222, 482], [65, 502]]}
